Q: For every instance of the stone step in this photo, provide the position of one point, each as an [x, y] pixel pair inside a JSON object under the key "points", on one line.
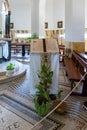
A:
{"points": [[17, 74]]}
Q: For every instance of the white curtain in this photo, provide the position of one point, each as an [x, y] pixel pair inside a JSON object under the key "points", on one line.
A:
{"points": [[55, 69], [5, 50], [35, 65]]}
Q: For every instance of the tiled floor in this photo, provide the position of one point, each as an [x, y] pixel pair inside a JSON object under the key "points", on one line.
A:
{"points": [[74, 119]]}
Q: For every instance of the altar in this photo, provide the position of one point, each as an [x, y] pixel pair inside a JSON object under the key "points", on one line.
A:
{"points": [[5, 49], [41, 51]]}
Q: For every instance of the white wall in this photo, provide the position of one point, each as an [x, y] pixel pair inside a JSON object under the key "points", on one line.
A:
{"points": [[85, 13], [75, 20], [0, 15], [59, 12], [49, 14], [34, 17], [54, 12], [21, 14], [42, 5]]}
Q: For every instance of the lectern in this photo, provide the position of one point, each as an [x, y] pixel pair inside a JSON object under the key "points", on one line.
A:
{"points": [[41, 51]]}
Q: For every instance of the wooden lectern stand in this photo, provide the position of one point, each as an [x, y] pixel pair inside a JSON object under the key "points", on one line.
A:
{"points": [[39, 50]]}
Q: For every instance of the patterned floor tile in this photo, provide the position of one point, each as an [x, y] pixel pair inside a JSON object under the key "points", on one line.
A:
{"points": [[74, 119]]}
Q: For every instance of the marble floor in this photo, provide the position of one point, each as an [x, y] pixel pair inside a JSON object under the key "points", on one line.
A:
{"points": [[17, 109]]}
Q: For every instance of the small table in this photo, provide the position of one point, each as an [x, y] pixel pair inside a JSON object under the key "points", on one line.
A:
{"points": [[22, 44]]}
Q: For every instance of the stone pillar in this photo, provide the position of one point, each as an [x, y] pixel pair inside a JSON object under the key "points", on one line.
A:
{"points": [[35, 17], [7, 24], [42, 19], [0, 15], [75, 24]]}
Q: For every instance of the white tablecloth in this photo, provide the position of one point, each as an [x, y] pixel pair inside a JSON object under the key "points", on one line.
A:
{"points": [[35, 65], [4, 51], [41, 48]]}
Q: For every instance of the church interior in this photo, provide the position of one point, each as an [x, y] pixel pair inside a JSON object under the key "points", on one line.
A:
{"points": [[43, 65]]}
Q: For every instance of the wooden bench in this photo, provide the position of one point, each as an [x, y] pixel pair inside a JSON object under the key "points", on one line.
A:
{"points": [[75, 69], [72, 71]]}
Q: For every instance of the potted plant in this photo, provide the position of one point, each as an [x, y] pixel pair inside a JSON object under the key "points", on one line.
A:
{"points": [[42, 99], [45, 76], [34, 36], [63, 107], [10, 69], [0, 32]]}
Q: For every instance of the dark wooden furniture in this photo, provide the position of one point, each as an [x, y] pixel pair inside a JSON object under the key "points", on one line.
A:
{"points": [[61, 52], [85, 105], [75, 69], [23, 45], [84, 56], [72, 71]]}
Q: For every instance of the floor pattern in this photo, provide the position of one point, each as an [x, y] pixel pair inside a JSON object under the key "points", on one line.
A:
{"points": [[74, 119], [21, 113]]}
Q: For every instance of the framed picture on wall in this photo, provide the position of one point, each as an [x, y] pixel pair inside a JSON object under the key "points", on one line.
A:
{"points": [[11, 25], [46, 24], [60, 24]]}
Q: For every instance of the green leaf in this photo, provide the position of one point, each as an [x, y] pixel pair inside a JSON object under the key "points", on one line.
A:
{"points": [[10, 66], [59, 94]]}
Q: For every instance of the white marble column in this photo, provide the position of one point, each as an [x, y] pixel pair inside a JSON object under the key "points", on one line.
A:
{"points": [[75, 24], [0, 15], [35, 17], [38, 17], [42, 19]]}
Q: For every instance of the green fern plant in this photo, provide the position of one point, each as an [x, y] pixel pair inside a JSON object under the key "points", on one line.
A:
{"points": [[42, 99], [34, 36], [45, 76], [59, 94]]}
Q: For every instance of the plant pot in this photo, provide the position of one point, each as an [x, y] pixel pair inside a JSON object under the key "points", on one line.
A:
{"points": [[52, 96], [9, 72], [62, 108]]}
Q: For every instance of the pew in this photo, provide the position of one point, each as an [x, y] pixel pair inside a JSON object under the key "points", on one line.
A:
{"points": [[76, 67]]}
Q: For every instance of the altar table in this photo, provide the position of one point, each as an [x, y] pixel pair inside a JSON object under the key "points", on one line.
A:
{"points": [[5, 49]]}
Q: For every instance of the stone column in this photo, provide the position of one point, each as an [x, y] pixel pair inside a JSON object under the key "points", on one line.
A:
{"points": [[42, 18], [75, 24], [0, 15], [7, 24], [35, 17]]}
